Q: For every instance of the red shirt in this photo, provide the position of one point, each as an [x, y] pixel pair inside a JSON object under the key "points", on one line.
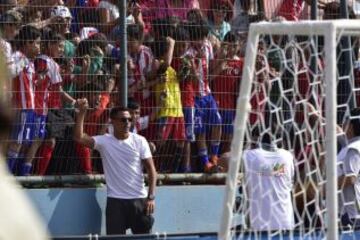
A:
{"points": [[291, 9], [23, 83], [225, 87], [42, 86], [186, 86], [24, 96], [96, 117]]}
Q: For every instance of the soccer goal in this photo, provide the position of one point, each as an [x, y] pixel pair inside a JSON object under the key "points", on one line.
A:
{"points": [[298, 87]]}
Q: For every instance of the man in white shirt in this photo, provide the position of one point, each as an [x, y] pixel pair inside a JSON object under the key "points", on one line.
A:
{"points": [[269, 173], [124, 155], [348, 169]]}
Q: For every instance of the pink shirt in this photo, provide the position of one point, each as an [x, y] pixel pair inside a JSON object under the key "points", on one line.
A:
{"points": [[165, 9], [155, 9]]}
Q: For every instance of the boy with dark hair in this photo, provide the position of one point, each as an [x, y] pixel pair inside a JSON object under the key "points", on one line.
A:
{"points": [[182, 65], [142, 58], [225, 84], [168, 113], [207, 116], [28, 43], [49, 95], [139, 123], [98, 100]]}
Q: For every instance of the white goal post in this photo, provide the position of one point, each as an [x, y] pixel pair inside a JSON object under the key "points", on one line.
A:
{"points": [[330, 31]]}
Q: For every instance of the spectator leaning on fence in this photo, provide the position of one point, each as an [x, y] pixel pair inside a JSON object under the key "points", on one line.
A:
{"points": [[219, 16], [207, 116], [124, 155], [185, 69], [95, 118], [226, 77], [28, 43], [168, 111]]}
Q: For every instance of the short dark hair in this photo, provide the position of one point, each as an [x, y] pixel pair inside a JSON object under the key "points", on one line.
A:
{"points": [[51, 37], [266, 138], [136, 32], [181, 34], [162, 27], [26, 34], [159, 47], [197, 31], [99, 39], [355, 120], [114, 111], [230, 37], [90, 88], [132, 104]]}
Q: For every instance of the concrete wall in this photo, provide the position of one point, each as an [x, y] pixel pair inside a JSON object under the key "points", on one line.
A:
{"points": [[179, 209]]}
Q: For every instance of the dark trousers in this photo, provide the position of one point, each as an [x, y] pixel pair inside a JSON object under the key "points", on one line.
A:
{"points": [[122, 214], [348, 222]]}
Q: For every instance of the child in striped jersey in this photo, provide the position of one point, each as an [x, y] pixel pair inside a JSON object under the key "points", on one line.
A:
{"points": [[207, 116], [28, 45], [48, 80]]}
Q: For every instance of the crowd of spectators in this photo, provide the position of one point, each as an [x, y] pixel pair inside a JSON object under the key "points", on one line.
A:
{"points": [[184, 63]]}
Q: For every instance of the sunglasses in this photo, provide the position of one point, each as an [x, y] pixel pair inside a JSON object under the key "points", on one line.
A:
{"points": [[123, 119]]}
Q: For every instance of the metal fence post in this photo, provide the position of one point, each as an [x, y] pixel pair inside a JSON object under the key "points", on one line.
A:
{"points": [[123, 88]]}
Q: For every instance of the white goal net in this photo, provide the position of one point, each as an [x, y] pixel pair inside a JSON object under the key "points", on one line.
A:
{"points": [[299, 88]]}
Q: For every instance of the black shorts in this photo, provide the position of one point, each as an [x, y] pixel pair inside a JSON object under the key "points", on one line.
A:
{"points": [[57, 122], [122, 214]]}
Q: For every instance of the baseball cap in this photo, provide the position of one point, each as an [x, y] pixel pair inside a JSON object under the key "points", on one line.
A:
{"points": [[60, 11]]}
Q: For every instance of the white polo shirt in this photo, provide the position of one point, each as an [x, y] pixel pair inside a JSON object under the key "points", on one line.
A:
{"points": [[269, 181], [122, 162]]}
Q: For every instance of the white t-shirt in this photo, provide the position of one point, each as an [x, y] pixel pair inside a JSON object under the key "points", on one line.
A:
{"points": [[5, 47], [113, 9], [348, 163], [18, 218], [269, 180], [122, 161]]}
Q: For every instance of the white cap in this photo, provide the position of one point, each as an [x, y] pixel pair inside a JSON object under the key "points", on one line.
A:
{"points": [[87, 32], [60, 11]]}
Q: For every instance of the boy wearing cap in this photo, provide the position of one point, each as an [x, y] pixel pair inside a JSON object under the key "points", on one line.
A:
{"points": [[61, 25]]}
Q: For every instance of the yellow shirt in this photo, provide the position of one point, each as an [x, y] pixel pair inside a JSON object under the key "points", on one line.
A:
{"points": [[168, 96]]}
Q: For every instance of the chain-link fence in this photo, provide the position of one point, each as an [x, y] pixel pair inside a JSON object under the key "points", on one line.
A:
{"points": [[184, 66]]}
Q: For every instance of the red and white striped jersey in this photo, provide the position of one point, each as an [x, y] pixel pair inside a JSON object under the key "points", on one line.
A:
{"points": [[143, 62], [201, 85], [23, 83], [291, 9], [44, 81]]}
